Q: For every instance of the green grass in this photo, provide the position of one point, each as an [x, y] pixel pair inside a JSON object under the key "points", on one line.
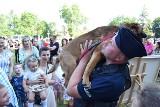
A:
{"points": [[60, 104]]}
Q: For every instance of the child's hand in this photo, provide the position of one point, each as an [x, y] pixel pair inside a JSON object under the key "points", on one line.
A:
{"points": [[46, 85], [26, 90]]}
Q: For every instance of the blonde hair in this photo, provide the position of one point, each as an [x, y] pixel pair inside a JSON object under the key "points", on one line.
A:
{"points": [[24, 38], [33, 59]]}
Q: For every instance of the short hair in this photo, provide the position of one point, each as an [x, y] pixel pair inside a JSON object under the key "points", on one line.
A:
{"points": [[54, 36], [2, 86], [33, 59], [43, 49], [149, 96], [18, 64]]}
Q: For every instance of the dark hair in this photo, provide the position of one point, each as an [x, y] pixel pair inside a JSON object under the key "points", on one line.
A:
{"points": [[70, 39], [158, 44], [2, 37], [63, 40], [43, 49], [54, 36], [149, 96]]}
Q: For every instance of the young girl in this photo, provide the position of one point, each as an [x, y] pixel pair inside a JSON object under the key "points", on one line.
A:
{"points": [[67, 100], [33, 74], [57, 87], [17, 83]]}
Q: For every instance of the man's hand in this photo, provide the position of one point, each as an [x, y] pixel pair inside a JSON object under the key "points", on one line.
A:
{"points": [[88, 55]]}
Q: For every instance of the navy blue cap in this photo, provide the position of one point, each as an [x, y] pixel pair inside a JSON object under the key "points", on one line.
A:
{"points": [[129, 44]]}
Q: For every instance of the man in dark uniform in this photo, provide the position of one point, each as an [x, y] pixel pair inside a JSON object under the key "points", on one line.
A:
{"points": [[54, 46], [110, 78]]}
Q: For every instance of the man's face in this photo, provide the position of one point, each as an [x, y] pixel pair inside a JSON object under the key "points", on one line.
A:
{"points": [[53, 38], [110, 49], [4, 97]]}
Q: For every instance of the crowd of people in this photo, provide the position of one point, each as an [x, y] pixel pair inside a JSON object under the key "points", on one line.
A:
{"points": [[25, 73], [25, 82]]}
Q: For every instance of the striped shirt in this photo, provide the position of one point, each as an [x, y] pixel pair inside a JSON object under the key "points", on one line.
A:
{"points": [[4, 80], [5, 61]]}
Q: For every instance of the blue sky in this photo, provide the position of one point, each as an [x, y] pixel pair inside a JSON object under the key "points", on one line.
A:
{"points": [[99, 12]]}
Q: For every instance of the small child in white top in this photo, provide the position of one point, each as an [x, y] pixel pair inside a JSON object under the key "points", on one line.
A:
{"points": [[33, 74], [67, 100]]}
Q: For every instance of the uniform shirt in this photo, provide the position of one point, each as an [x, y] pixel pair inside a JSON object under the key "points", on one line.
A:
{"points": [[108, 82], [4, 80]]}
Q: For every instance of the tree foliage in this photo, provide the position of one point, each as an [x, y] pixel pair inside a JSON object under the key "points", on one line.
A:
{"points": [[156, 27], [143, 16], [72, 17], [4, 29], [27, 24], [120, 20]]}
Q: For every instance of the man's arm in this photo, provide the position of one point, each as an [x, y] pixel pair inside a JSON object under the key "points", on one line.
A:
{"points": [[78, 72]]}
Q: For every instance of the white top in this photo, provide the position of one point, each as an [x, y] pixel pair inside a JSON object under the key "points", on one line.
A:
{"points": [[33, 75], [58, 74]]}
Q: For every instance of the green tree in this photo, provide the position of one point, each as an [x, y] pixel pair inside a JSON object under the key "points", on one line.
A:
{"points": [[143, 16], [14, 23], [4, 30], [156, 27], [29, 23], [120, 20], [72, 17], [148, 27]]}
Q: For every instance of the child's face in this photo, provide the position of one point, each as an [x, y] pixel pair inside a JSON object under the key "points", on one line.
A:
{"points": [[33, 66], [4, 97], [17, 69]]}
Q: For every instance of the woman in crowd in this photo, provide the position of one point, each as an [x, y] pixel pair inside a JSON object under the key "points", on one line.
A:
{"points": [[27, 51], [63, 43], [44, 58], [157, 49], [149, 46], [6, 59], [35, 43], [57, 87]]}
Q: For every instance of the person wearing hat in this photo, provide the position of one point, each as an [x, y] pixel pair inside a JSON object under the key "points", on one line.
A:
{"points": [[110, 78]]}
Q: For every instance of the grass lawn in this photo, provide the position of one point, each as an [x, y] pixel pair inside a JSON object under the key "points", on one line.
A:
{"points": [[60, 104]]}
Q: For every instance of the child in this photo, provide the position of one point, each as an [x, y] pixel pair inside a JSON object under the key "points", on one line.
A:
{"points": [[4, 97], [57, 87], [68, 100], [33, 74], [17, 83]]}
